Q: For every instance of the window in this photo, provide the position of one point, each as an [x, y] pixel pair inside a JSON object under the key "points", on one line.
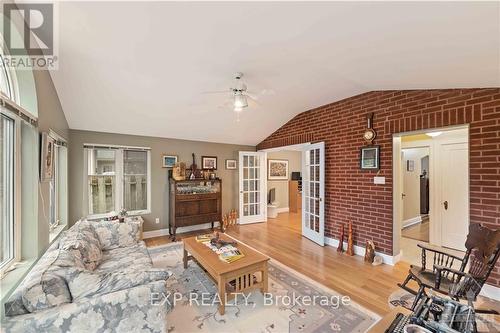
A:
{"points": [[135, 180], [5, 84], [54, 193], [118, 178], [58, 186], [8, 232]]}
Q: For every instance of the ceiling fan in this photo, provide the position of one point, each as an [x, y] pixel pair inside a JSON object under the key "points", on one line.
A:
{"points": [[238, 94]]}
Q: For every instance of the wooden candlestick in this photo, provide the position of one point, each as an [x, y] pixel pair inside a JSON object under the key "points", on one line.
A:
{"points": [[350, 241], [340, 248]]}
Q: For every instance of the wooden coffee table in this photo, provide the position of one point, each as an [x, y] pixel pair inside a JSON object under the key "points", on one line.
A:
{"points": [[241, 271]]}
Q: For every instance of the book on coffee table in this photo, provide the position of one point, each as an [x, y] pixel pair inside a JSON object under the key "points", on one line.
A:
{"points": [[204, 238], [231, 256]]}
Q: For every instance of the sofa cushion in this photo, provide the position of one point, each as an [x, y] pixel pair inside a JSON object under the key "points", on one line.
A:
{"points": [[113, 235], [87, 284], [136, 257], [83, 239]]}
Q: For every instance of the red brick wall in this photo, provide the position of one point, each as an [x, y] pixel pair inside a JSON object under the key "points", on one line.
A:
{"points": [[350, 192]]}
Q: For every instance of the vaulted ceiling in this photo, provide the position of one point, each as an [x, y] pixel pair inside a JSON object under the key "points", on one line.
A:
{"points": [[143, 67]]}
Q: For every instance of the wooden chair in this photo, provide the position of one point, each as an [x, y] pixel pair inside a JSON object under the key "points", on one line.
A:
{"points": [[483, 250]]}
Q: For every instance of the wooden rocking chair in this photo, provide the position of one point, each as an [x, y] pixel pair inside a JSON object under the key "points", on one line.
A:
{"points": [[483, 250]]}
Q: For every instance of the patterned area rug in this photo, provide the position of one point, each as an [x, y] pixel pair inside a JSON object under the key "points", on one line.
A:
{"points": [[251, 314]]}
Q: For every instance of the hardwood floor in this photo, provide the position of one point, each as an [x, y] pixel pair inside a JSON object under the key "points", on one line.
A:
{"points": [[418, 231], [281, 239]]}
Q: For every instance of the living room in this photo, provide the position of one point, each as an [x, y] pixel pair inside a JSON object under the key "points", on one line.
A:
{"points": [[249, 166]]}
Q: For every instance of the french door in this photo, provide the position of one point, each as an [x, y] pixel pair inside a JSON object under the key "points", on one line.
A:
{"points": [[253, 187], [313, 193]]}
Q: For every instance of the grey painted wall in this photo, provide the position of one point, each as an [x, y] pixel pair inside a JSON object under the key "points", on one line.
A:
{"points": [[294, 165], [159, 180]]}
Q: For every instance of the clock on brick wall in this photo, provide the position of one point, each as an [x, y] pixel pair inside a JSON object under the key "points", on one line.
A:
{"points": [[370, 133]]}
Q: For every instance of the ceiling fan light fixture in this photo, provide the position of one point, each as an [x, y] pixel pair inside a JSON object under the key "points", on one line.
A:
{"points": [[240, 101]]}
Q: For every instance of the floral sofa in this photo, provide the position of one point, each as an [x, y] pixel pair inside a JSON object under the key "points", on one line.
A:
{"points": [[97, 277]]}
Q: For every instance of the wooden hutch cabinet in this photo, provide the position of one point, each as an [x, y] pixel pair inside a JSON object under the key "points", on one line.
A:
{"points": [[194, 202]]}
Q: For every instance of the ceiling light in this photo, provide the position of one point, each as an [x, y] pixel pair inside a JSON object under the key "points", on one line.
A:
{"points": [[433, 134], [240, 101], [237, 109]]}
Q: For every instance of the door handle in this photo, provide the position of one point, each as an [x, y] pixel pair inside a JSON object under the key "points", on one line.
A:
{"points": [[403, 195], [445, 205]]}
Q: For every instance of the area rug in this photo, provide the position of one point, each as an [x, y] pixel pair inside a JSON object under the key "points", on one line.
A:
{"points": [[486, 323], [288, 311]]}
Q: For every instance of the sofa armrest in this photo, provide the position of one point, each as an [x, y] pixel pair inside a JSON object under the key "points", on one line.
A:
{"points": [[120, 311]]}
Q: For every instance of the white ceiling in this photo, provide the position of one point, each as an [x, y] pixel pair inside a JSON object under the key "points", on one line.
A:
{"points": [[141, 68]]}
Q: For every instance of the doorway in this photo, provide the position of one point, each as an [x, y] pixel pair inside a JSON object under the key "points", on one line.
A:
{"points": [[294, 187], [431, 190], [415, 196]]}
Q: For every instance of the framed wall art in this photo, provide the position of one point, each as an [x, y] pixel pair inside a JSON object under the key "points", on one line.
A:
{"points": [[231, 164], [277, 169], [370, 158], [168, 161], [209, 162], [46, 157]]}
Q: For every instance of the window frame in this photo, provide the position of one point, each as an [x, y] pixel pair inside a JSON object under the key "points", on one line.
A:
{"points": [[11, 79], [56, 182], [119, 200], [16, 257]]}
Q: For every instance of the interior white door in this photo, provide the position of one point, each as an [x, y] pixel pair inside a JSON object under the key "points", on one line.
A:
{"points": [[313, 193], [253, 187], [454, 207]]}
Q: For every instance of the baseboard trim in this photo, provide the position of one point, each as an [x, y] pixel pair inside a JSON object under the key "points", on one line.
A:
{"points": [[412, 221], [180, 230], [360, 251], [283, 210], [491, 292]]}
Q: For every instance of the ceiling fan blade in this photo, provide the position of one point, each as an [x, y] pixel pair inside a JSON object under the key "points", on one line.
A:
{"points": [[252, 97], [228, 103], [216, 92]]}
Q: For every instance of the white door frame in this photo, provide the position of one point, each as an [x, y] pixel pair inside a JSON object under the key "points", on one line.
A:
{"points": [[262, 217], [435, 200], [302, 147]]}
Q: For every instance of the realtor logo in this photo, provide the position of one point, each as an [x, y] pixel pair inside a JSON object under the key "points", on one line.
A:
{"points": [[38, 31], [29, 35]]}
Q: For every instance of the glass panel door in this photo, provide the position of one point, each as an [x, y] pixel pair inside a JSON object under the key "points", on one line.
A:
{"points": [[313, 219], [252, 187]]}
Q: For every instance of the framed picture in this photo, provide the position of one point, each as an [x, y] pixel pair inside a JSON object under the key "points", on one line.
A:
{"points": [[231, 164], [370, 158], [47, 158], [168, 161], [209, 162], [277, 169]]}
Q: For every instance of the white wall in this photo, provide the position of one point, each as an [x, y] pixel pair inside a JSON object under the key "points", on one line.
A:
{"points": [[411, 183], [294, 165]]}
